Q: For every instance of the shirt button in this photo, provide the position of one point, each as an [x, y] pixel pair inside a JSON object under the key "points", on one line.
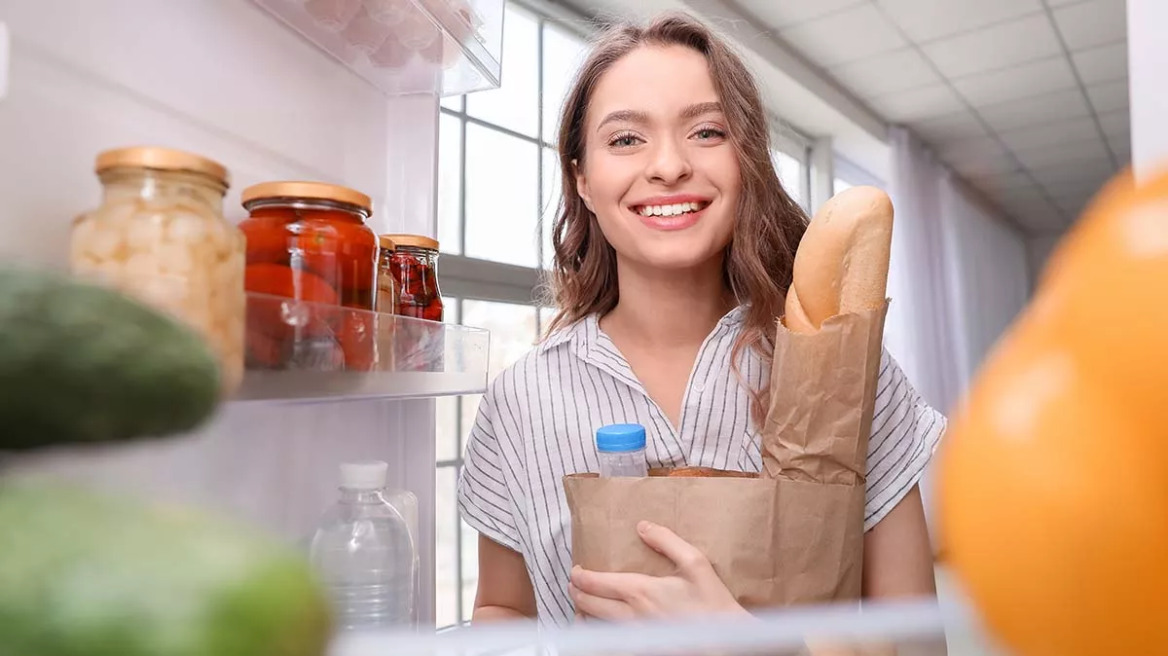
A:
{"points": [[699, 387]]}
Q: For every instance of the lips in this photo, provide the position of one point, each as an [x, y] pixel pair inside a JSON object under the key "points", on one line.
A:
{"points": [[675, 212], [680, 221]]}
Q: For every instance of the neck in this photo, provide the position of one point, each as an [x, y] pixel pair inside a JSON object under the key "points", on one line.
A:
{"points": [[668, 308]]}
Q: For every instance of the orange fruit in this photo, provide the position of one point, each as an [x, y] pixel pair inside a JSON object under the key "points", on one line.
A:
{"points": [[1053, 490]]}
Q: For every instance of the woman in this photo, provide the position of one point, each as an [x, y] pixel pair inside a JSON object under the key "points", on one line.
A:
{"points": [[673, 250]]}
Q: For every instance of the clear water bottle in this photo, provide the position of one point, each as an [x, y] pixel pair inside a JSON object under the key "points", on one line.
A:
{"points": [[364, 552], [622, 450]]}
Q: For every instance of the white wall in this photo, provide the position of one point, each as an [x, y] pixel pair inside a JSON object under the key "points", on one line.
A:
{"points": [[1147, 61], [1038, 250]]}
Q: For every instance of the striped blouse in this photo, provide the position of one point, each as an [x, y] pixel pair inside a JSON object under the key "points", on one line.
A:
{"points": [[538, 420]]}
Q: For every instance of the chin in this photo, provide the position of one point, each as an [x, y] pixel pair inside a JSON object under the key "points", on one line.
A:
{"points": [[678, 257]]}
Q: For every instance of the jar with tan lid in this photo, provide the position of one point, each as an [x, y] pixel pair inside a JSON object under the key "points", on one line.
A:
{"points": [[159, 235], [414, 266], [309, 241], [417, 345]]}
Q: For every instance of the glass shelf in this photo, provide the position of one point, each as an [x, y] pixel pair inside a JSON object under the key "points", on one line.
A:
{"points": [[917, 628], [301, 351], [405, 46]]}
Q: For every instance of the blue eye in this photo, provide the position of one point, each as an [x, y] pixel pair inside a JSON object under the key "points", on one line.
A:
{"points": [[624, 140]]}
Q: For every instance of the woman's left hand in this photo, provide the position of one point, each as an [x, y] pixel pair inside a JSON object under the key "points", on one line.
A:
{"points": [[694, 589]]}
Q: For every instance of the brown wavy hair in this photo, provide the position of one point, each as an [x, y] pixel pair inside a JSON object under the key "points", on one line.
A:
{"points": [[758, 262]]}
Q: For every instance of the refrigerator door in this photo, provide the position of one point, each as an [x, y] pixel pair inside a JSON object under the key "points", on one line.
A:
{"points": [[229, 80]]}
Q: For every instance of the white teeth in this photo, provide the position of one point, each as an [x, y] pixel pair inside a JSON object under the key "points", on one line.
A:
{"points": [[669, 210]]}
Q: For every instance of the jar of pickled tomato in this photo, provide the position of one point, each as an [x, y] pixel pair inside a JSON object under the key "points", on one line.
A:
{"points": [[159, 235], [417, 345], [308, 241], [414, 265]]}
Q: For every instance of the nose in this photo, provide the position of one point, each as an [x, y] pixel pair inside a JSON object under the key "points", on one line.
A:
{"points": [[669, 163]]}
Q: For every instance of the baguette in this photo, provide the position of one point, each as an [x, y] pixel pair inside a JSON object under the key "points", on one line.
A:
{"points": [[700, 472], [841, 265]]}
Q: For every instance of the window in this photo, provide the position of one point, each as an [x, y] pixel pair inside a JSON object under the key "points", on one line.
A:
{"points": [[848, 175], [498, 189], [792, 173]]}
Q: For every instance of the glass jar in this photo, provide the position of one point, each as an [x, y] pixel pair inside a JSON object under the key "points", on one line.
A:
{"points": [[386, 283], [308, 241], [159, 235], [417, 345], [414, 266]]}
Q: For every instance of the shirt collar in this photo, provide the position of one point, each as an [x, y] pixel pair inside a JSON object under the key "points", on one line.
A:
{"points": [[589, 326]]}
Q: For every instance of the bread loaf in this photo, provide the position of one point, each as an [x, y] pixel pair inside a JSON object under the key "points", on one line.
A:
{"points": [[841, 265], [700, 472]]}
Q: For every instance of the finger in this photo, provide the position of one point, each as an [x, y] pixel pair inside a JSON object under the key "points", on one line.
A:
{"points": [[600, 607], [620, 586], [688, 558]]}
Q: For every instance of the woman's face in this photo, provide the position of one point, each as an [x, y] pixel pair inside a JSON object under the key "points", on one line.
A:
{"points": [[659, 171]]}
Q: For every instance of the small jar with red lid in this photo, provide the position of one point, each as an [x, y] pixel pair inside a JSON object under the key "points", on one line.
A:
{"points": [[309, 241], [414, 265], [417, 345]]}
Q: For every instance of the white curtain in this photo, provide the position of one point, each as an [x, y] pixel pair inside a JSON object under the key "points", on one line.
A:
{"points": [[989, 276], [959, 274], [919, 331]]}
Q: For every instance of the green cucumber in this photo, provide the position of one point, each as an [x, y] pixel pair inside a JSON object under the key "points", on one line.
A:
{"points": [[81, 364]]}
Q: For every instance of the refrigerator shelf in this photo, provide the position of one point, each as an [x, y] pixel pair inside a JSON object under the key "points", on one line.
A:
{"points": [[301, 351], [908, 628], [405, 46]]}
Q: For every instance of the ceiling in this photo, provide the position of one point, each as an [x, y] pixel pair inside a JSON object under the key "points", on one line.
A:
{"points": [[1025, 99]]}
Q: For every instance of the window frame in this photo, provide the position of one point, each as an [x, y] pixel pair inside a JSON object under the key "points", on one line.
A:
{"points": [[463, 278]]}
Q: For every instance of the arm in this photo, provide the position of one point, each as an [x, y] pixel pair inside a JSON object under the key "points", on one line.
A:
{"points": [[898, 560], [505, 591]]}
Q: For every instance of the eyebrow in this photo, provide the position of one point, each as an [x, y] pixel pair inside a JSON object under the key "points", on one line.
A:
{"points": [[633, 116]]}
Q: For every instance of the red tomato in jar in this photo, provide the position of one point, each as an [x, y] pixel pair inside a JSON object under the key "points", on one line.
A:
{"points": [[288, 282], [358, 338], [267, 240]]}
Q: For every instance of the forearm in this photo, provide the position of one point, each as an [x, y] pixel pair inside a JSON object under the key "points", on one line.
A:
{"points": [[487, 614], [898, 559]]}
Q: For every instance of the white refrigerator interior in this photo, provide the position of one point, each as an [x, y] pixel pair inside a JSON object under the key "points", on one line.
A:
{"points": [[238, 81]]}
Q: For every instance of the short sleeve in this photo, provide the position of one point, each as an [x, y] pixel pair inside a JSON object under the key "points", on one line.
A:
{"points": [[484, 487], [905, 433]]}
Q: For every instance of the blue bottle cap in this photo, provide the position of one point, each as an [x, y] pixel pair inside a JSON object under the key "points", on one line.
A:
{"points": [[618, 438]]}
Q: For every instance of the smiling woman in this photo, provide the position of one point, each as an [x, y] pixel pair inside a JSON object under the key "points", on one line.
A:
{"points": [[674, 244]]}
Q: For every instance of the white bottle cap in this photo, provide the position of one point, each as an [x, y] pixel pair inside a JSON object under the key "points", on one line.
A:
{"points": [[369, 475]]}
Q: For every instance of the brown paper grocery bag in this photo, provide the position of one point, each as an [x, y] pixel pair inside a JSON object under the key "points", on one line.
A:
{"points": [[794, 533], [823, 394]]}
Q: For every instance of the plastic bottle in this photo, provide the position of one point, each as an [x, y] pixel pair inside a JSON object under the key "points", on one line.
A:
{"points": [[622, 450], [364, 552]]}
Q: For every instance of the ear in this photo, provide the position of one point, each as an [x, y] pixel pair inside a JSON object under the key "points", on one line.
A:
{"points": [[582, 186]]}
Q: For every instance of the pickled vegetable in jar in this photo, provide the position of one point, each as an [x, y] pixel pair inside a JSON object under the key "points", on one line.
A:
{"points": [[417, 345], [414, 266], [159, 235], [386, 283], [308, 241]]}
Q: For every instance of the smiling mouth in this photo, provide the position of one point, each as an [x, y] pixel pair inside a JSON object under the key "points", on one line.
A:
{"points": [[675, 209]]}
